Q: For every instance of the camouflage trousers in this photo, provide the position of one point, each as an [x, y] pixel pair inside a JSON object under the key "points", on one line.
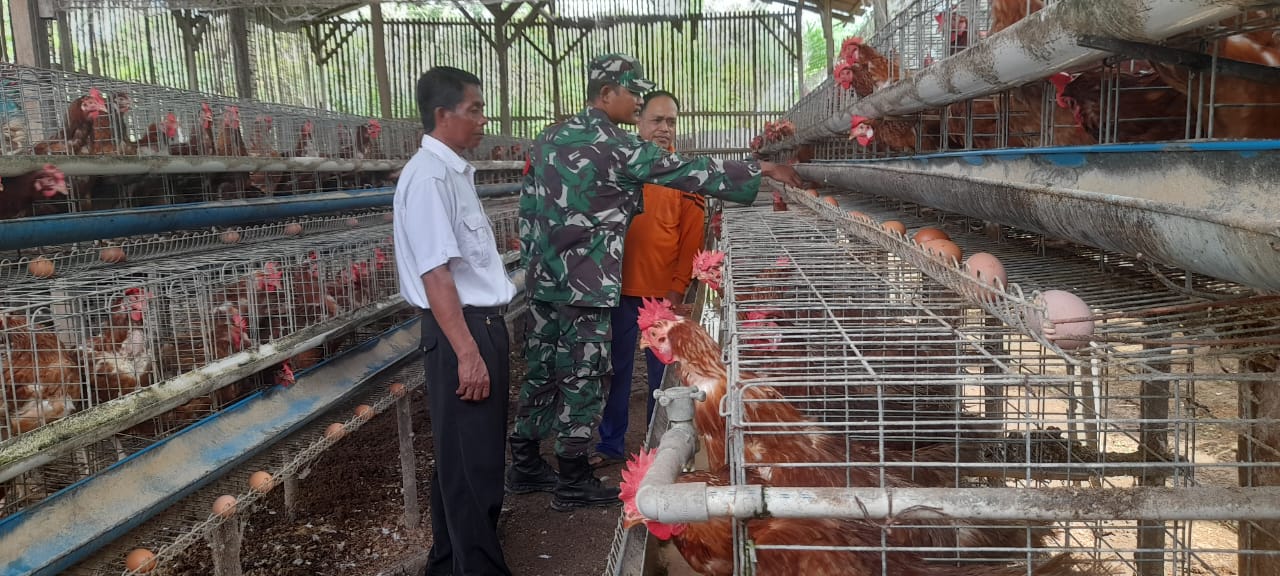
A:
{"points": [[567, 350]]}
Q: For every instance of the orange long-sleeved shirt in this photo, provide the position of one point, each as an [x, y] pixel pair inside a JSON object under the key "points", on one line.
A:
{"points": [[658, 255]]}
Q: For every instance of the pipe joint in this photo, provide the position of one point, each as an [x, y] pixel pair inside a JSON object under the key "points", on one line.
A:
{"points": [[679, 402]]}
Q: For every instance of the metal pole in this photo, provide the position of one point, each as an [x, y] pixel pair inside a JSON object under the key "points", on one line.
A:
{"points": [[799, 49], [828, 35], [1259, 445]]}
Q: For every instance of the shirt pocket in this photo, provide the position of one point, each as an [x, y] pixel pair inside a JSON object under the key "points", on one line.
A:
{"points": [[475, 240]]}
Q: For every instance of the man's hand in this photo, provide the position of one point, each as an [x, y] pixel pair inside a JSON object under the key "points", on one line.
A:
{"points": [[782, 173], [473, 377], [677, 303]]}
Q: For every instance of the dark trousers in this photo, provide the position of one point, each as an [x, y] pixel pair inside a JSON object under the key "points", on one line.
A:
{"points": [[470, 449], [613, 426]]}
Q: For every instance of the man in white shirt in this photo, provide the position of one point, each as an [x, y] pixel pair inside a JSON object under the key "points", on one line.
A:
{"points": [[449, 267]]}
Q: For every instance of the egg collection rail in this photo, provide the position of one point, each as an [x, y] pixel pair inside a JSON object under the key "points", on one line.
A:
{"points": [[925, 375]]}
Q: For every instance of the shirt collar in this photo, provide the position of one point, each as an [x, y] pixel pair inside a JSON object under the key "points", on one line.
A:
{"points": [[451, 158]]}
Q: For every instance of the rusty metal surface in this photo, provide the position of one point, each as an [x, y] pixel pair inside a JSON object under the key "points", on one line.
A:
{"points": [[1206, 211]]}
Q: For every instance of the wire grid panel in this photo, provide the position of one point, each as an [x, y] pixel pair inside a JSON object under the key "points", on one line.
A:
{"points": [[136, 122], [73, 343], [921, 388]]}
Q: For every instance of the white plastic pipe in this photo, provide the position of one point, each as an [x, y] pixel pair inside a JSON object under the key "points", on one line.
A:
{"points": [[697, 502], [1040, 45]]}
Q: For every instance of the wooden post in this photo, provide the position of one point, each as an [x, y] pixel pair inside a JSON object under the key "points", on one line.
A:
{"points": [[800, 48], [193, 27], [381, 75], [291, 495], [1260, 444], [240, 52], [880, 13], [24, 19], [1154, 445], [224, 545], [504, 75], [828, 34], [66, 52], [557, 107], [408, 464]]}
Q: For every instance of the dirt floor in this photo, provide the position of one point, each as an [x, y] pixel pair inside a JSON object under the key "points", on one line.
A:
{"points": [[349, 519]]}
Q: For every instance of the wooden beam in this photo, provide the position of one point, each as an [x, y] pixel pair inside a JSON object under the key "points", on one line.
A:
{"points": [[66, 52], [799, 49], [239, 20], [880, 13], [192, 27], [828, 36], [1259, 450], [381, 75]]}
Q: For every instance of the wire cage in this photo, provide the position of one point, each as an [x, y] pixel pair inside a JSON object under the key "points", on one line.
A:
{"points": [[1213, 83], [858, 359]]}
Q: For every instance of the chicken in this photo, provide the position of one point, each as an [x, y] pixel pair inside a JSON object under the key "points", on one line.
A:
{"points": [[230, 141], [111, 131], [355, 287], [121, 356], [260, 144], [259, 295], [957, 32], [1243, 108], [897, 135], [201, 143], [41, 377], [201, 338], [1150, 110], [871, 70], [708, 268], [18, 194], [779, 203], [708, 547], [76, 135], [1026, 102], [794, 440], [159, 136], [304, 147], [498, 153]]}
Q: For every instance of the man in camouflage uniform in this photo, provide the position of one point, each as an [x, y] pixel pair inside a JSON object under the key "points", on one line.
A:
{"points": [[582, 188]]}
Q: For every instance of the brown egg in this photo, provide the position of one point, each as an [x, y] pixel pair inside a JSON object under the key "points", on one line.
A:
{"points": [[353, 222], [230, 237], [946, 250], [1060, 305], [831, 201], [856, 215], [293, 229], [987, 268], [41, 267], [389, 217], [111, 254], [335, 431], [811, 192], [926, 234], [140, 560], [895, 227], [224, 506], [397, 389], [364, 412], [261, 481]]}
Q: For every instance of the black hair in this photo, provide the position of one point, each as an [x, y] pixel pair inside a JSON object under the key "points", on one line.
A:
{"points": [[594, 87], [442, 87], [651, 96]]}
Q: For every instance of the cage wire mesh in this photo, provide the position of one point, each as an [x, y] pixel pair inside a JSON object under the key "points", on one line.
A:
{"points": [[919, 385], [94, 334], [1119, 100]]}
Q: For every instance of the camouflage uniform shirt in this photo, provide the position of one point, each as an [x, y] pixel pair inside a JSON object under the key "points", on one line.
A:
{"points": [[583, 187]]}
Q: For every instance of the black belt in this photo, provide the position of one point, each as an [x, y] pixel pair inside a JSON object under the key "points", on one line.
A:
{"points": [[478, 311]]}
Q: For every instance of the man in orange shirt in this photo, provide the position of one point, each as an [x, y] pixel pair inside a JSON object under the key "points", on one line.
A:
{"points": [[657, 262]]}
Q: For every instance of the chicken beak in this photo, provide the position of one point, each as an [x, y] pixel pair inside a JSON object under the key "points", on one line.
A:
{"points": [[629, 522]]}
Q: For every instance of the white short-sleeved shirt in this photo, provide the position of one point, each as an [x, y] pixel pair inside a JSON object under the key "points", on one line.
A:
{"points": [[439, 219]]}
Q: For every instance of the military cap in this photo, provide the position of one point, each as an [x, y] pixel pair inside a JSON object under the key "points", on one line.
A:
{"points": [[619, 69]]}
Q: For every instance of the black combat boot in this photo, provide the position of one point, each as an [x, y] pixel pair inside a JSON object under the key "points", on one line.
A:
{"points": [[528, 471], [578, 486]]}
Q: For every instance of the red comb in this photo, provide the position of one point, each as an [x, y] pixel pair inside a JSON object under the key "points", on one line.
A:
{"points": [[653, 310], [633, 473]]}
